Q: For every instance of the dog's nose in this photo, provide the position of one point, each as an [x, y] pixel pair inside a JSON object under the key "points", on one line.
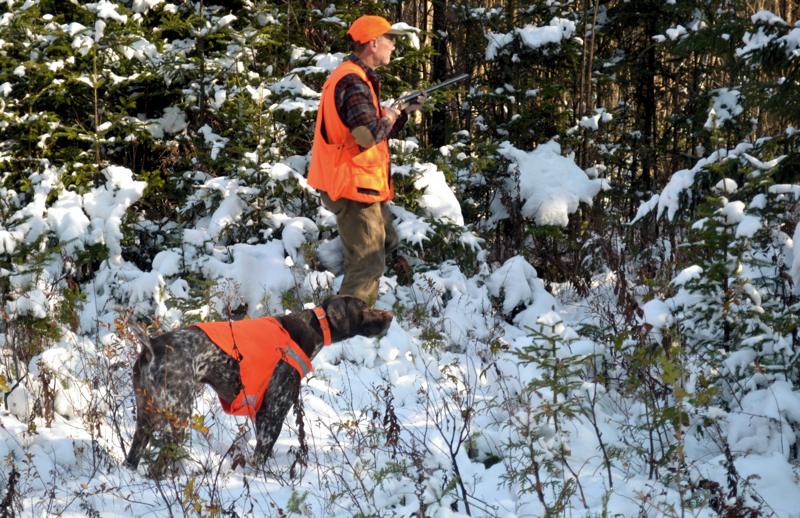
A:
{"points": [[385, 315]]}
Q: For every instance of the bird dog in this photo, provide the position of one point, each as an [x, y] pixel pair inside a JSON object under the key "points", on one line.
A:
{"points": [[255, 367]]}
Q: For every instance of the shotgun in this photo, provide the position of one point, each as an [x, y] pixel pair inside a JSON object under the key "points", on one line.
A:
{"points": [[408, 98]]}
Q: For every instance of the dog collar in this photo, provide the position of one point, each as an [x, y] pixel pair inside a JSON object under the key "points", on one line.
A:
{"points": [[324, 325]]}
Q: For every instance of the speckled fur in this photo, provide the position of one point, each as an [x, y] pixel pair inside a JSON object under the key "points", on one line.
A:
{"points": [[170, 367]]}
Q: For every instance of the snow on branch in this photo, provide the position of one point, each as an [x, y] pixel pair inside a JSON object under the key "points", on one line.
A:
{"points": [[551, 185], [531, 36]]}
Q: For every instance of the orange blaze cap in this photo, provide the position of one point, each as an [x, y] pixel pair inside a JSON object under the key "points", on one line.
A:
{"points": [[367, 28]]}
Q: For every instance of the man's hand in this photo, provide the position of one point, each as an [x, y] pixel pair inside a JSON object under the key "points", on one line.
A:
{"points": [[413, 106], [417, 104], [391, 113]]}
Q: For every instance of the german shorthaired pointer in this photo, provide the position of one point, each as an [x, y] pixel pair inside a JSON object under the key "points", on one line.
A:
{"points": [[170, 366]]}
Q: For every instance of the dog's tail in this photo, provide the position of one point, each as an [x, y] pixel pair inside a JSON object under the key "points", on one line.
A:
{"points": [[146, 344]]}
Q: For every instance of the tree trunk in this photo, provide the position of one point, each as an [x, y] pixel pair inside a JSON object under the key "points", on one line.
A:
{"points": [[437, 134], [646, 98]]}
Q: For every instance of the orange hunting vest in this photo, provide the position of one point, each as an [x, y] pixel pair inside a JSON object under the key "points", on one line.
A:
{"points": [[338, 166], [259, 344]]}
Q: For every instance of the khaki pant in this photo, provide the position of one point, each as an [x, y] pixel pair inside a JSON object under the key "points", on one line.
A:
{"points": [[368, 236]]}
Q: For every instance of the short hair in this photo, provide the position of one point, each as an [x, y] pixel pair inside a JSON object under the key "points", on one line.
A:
{"points": [[356, 47]]}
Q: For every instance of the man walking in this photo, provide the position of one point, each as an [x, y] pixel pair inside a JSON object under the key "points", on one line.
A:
{"points": [[350, 162]]}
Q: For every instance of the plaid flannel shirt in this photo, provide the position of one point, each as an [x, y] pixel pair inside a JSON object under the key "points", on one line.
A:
{"points": [[355, 107]]}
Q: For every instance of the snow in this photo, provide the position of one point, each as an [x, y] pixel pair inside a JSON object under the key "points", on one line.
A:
{"points": [[733, 212], [497, 41], [290, 105], [551, 185], [142, 6], [107, 10], [767, 17], [754, 41], [645, 208], [411, 32], [438, 198], [224, 22], [516, 283], [748, 225], [257, 274], [67, 219], [231, 207], [107, 205], [764, 166], [726, 107], [216, 142], [410, 228], [657, 314], [33, 303], [173, 120], [769, 474], [795, 261], [687, 274], [328, 62], [669, 199], [763, 426], [593, 122], [674, 33], [296, 232], [167, 263], [557, 30], [292, 84], [739, 360], [726, 186], [258, 94]]}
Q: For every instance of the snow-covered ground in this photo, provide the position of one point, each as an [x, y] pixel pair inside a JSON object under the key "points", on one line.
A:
{"points": [[448, 412], [457, 399]]}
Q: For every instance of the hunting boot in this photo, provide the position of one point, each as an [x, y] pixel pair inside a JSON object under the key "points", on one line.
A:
{"points": [[405, 275]]}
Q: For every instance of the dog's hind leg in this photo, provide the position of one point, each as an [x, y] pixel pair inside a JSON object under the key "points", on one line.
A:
{"points": [[164, 382], [169, 453], [141, 437], [143, 433], [147, 420], [173, 419]]}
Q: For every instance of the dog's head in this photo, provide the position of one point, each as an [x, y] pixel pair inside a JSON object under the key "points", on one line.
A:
{"points": [[349, 316]]}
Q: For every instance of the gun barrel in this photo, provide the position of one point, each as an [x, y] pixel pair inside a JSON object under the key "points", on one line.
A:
{"points": [[410, 97]]}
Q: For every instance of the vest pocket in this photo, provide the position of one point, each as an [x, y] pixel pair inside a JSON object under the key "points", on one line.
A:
{"points": [[369, 171], [370, 192]]}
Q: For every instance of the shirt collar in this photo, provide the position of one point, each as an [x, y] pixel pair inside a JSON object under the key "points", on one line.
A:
{"points": [[371, 74]]}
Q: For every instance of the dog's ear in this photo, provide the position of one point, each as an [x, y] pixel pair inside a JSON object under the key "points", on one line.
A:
{"points": [[344, 315]]}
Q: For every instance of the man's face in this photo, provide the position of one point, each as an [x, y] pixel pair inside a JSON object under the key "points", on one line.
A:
{"points": [[384, 45]]}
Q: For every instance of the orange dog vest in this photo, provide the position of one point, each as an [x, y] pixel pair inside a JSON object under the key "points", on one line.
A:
{"points": [[258, 344]]}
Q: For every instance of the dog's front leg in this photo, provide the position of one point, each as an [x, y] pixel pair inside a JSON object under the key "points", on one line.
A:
{"points": [[281, 395]]}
